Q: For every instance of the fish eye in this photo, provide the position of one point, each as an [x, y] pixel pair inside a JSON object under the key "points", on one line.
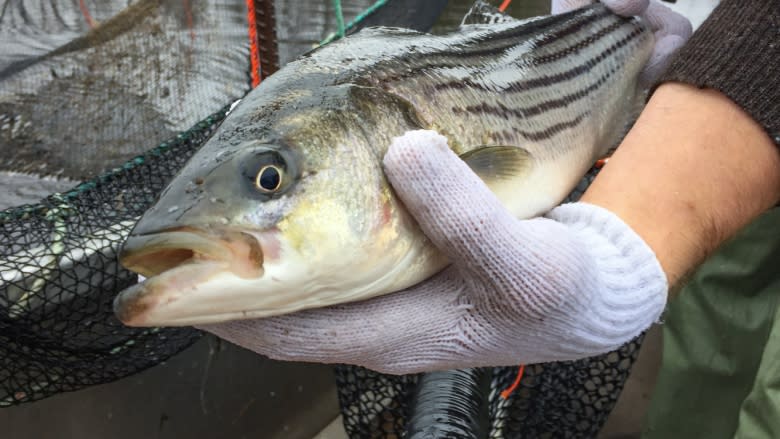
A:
{"points": [[269, 178], [268, 172]]}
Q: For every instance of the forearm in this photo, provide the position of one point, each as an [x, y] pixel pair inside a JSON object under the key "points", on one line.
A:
{"points": [[694, 169]]}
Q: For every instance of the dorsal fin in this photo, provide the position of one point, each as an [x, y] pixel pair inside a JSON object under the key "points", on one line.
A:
{"points": [[484, 13]]}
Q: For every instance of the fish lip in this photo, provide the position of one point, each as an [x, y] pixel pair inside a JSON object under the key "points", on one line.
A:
{"points": [[152, 254], [129, 309]]}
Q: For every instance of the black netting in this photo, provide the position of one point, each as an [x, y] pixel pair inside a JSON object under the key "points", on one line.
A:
{"points": [[373, 405], [554, 400], [561, 400], [60, 275], [85, 85]]}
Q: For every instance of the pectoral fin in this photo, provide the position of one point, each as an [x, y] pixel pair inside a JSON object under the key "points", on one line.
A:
{"points": [[505, 170], [495, 164]]}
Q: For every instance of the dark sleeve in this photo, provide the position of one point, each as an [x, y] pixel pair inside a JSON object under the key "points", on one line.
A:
{"points": [[737, 52]]}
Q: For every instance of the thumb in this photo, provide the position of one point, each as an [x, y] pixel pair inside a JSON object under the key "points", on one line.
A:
{"points": [[662, 56], [664, 21], [454, 208], [561, 6]]}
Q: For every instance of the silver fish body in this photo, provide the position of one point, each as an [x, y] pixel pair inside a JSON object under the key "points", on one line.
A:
{"points": [[287, 207]]}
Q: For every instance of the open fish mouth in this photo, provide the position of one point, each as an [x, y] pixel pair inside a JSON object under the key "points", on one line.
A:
{"points": [[176, 261], [152, 254]]}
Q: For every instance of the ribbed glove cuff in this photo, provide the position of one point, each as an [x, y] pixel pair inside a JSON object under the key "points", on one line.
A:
{"points": [[629, 287]]}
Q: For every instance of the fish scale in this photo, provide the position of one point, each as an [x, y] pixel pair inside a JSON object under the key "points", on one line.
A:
{"points": [[529, 105]]}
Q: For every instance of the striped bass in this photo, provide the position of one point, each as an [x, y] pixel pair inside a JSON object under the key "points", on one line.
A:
{"points": [[287, 207]]}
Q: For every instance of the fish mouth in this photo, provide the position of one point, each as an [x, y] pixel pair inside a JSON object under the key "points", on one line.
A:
{"points": [[175, 261], [152, 254]]}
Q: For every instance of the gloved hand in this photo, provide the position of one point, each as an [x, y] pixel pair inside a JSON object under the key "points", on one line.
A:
{"points": [[671, 29], [576, 283]]}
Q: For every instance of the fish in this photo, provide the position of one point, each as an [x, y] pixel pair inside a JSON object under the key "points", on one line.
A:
{"points": [[287, 206]]}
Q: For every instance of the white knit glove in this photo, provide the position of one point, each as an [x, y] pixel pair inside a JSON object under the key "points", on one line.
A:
{"points": [[576, 283], [671, 29]]}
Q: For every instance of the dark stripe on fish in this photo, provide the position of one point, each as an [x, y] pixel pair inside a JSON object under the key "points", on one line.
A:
{"points": [[567, 51], [512, 36], [546, 80], [501, 110], [510, 136]]}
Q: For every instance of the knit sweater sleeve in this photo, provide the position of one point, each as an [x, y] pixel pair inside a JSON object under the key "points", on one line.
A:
{"points": [[737, 52]]}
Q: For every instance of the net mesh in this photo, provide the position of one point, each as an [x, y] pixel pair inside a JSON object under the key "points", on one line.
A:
{"points": [[60, 275], [86, 85], [553, 400]]}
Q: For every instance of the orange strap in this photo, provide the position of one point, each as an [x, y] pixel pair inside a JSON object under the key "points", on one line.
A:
{"points": [[508, 391], [504, 5], [86, 14], [254, 50]]}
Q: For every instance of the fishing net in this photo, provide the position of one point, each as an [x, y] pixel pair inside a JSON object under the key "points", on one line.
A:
{"points": [[87, 84], [60, 276]]}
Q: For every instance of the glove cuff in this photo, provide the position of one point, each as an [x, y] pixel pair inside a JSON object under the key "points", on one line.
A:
{"points": [[628, 288]]}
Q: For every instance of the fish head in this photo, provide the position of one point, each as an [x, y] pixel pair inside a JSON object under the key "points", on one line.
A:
{"points": [[286, 207]]}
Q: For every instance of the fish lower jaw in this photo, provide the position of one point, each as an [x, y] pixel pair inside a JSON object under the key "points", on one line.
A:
{"points": [[137, 305]]}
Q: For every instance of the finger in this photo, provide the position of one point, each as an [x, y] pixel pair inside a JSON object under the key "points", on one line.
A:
{"points": [[662, 55], [665, 21], [325, 335], [627, 8], [392, 334], [454, 208], [561, 6]]}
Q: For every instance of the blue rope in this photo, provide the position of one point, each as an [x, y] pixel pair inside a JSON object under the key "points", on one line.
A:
{"points": [[339, 18], [341, 28]]}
